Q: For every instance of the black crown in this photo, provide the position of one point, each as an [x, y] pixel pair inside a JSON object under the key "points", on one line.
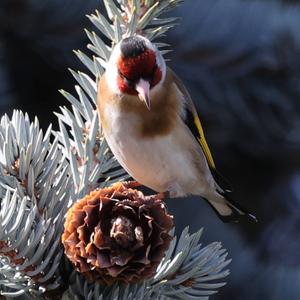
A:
{"points": [[133, 46]]}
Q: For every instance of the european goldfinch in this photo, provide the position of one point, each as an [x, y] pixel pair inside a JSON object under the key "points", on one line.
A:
{"points": [[152, 127]]}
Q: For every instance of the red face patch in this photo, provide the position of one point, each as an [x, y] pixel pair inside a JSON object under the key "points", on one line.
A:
{"points": [[134, 68]]}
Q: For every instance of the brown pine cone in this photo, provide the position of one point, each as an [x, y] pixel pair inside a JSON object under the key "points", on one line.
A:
{"points": [[117, 234]]}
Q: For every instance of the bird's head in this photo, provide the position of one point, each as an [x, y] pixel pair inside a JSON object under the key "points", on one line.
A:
{"points": [[136, 67]]}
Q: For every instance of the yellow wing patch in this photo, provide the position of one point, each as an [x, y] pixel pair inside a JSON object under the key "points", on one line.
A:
{"points": [[203, 143]]}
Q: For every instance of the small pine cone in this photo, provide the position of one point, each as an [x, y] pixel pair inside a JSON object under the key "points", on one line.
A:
{"points": [[117, 234]]}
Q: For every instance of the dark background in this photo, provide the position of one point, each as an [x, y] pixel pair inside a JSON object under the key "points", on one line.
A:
{"points": [[241, 62]]}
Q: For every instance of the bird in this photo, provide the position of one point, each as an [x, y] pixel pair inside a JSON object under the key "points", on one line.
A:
{"points": [[153, 129]]}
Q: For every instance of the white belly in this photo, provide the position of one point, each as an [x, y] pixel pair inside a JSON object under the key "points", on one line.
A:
{"points": [[162, 163]]}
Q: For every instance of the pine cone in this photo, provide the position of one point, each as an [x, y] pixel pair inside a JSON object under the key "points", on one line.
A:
{"points": [[117, 234]]}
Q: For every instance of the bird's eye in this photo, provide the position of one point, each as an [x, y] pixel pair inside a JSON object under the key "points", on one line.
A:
{"points": [[130, 83], [151, 77], [156, 76], [154, 71]]}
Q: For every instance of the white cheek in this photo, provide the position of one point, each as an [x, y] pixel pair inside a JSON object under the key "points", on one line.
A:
{"points": [[111, 72], [112, 79], [162, 65]]}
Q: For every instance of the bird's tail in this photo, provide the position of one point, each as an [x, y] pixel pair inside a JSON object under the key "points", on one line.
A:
{"points": [[227, 209]]}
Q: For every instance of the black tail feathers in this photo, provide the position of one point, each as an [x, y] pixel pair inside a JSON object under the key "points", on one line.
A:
{"points": [[229, 210]]}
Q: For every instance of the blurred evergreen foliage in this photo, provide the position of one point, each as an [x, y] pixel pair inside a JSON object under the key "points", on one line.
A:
{"points": [[243, 67], [36, 41]]}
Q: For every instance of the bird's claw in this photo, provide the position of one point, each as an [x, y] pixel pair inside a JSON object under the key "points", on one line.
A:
{"points": [[132, 184], [162, 195]]}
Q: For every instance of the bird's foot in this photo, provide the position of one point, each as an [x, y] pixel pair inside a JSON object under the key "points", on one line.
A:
{"points": [[162, 195], [132, 184]]}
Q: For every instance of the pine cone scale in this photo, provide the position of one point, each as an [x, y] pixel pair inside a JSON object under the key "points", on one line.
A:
{"points": [[113, 234]]}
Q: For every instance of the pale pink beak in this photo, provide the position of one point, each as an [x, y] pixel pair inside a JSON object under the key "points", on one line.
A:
{"points": [[143, 88]]}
